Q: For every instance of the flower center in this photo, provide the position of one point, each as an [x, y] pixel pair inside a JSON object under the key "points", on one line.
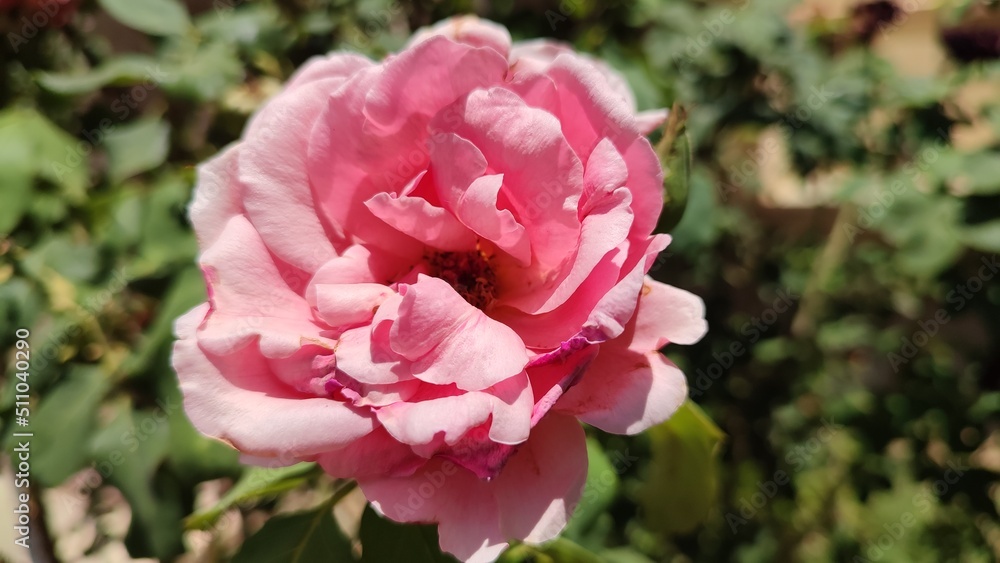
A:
{"points": [[469, 273]]}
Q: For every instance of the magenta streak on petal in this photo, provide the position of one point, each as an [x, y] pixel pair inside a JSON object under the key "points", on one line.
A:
{"points": [[582, 339], [485, 459], [571, 378]]}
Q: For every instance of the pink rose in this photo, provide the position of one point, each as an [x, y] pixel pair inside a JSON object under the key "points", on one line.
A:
{"points": [[423, 272]]}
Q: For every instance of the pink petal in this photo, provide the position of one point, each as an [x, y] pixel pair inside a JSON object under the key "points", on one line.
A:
{"points": [[218, 195], [429, 76], [249, 298], [343, 305], [272, 166], [478, 210], [543, 177], [236, 399], [363, 359], [469, 30], [450, 341], [445, 493], [357, 264], [667, 314], [419, 219], [626, 392], [606, 171], [602, 231], [443, 421], [542, 483], [333, 65], [649, 120], [375, 455]]}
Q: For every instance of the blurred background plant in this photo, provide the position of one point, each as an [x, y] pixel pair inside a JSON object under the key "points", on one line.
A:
{"points": [[842, 222]]}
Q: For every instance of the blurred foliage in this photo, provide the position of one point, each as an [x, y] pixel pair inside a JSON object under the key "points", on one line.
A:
{"points": [[841, 221]]}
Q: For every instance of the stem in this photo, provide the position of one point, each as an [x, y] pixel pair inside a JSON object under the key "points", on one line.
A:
{"points": [[814, 298]]}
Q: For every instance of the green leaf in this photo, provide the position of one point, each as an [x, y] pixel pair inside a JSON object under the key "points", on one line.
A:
{"points": [[256, 483], [167, 241], [598, 493], [122, 71], [76, 261], [676, 184], [32, 148], [137, 147], [564, 550], [156, 17], [985, 236], [186, 291], [303, 537], [129, 453], [682, 483], [200, 71], [64, 422], [384, 541]]}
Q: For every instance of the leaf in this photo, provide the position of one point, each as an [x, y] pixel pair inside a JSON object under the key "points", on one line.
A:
{"points": [[682, 483], [200, 71], [156, 17], [385, 541], [985, 236], [676, 184], [257, 482], [63, 423], [186, 291], [303, 537], [137, 147], [77, 262], [128, 453], [598, 493], [32, 148], [122, 71]]}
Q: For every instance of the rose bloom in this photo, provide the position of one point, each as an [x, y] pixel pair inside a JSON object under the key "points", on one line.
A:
{"points": [[422, 273]]}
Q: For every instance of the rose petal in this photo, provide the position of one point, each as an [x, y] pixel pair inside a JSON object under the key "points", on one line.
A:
{"points": [[450, 341]]}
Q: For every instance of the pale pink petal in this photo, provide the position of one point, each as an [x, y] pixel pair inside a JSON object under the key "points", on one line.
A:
{"points": [[375, 455], [649, 120], [272, 166], [234, 398], [626, 392], [469, 30], [344, 305], [667, 314], [332, 65], [419, 219], [249, 298], [463, 505], [429, 76], [450, 341], [543, 177], [364, 359], [542, 483], [357, 264], [478, 210], [218, 196]]}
